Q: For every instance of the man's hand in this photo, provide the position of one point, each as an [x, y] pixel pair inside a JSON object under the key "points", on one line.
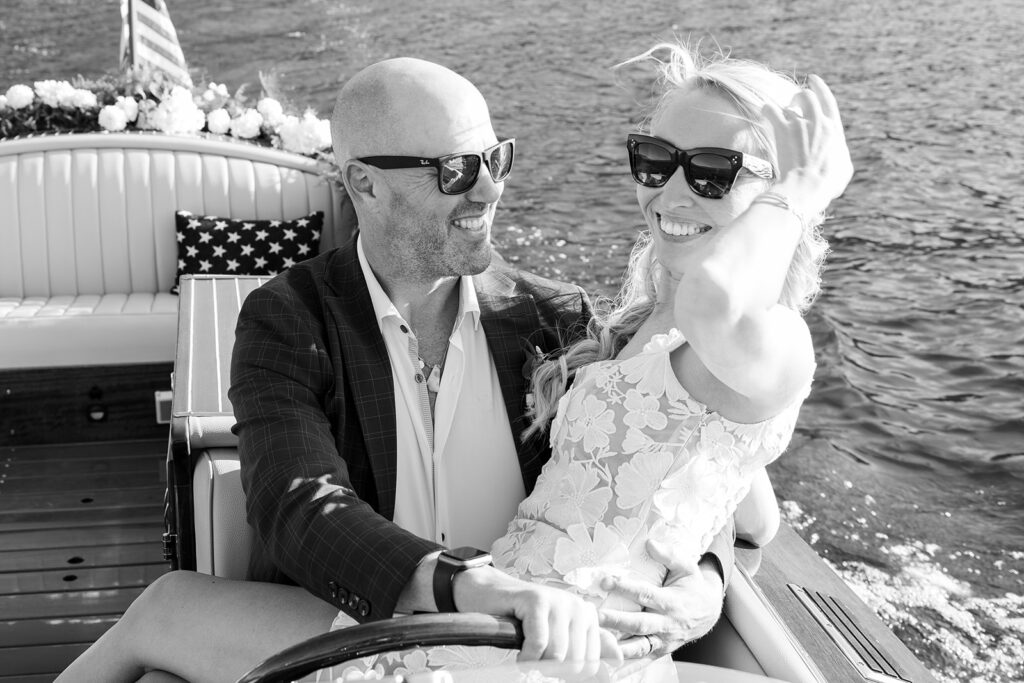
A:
{"points": [[556, 624], [684, 609]]}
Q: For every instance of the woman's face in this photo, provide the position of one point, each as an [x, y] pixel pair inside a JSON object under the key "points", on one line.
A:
{"points": [[678, 218]]}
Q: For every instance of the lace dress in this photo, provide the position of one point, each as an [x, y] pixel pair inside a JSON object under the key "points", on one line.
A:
{"points": [[635, 459]]}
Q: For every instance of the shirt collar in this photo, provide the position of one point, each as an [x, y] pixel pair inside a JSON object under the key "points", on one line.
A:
{"points": [[383, 307]]}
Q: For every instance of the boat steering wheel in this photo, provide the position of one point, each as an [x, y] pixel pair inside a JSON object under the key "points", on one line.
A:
{"points": [[363, 640]]}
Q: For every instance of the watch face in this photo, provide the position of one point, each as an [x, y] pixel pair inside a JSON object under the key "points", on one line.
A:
{"points": [[466, 553]]}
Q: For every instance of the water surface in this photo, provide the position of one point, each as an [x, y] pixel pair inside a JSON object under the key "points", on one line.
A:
{"points": [[906, 471]]}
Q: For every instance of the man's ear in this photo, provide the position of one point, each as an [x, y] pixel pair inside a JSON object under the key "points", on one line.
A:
{"points": [[357, 181]]}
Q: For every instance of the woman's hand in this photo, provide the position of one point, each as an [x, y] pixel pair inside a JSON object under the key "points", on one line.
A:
{"points": [[684, 609], [814, 161]]}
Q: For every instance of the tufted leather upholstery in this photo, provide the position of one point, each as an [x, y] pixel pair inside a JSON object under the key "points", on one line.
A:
{"points": [[87, 241]]}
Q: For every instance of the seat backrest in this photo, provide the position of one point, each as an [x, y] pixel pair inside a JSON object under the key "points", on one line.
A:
{"points": [[93, 213]]}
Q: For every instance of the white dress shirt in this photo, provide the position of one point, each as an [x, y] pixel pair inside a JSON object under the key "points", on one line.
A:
{"points": [[458, 480]]}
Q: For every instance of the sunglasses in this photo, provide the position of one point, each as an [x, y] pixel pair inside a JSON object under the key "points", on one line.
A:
{"points": [[457, 173], [709, 171]]}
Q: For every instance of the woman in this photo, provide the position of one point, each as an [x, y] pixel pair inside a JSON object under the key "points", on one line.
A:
{"points": [[691, 383]]}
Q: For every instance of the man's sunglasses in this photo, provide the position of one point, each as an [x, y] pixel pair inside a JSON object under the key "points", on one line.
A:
{"points": [[709, 171], [457, 173]]}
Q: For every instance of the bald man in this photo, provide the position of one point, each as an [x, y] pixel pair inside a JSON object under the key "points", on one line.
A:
{"points": [[379, 391]]}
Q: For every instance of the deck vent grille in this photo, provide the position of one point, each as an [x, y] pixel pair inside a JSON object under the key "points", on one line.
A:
{"points": [[855, 644]]}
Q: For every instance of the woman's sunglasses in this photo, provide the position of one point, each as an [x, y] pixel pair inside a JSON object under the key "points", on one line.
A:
{"points": [[457, 173], [709, 171]]}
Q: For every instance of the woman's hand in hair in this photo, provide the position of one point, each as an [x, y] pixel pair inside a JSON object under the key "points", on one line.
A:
{"points": [[814, 160]]}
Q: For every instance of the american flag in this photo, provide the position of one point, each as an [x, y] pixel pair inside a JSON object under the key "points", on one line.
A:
{"points": [[148, 40]]}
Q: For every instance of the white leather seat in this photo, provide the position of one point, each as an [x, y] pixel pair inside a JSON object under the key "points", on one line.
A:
{"points": [[87, 229]]}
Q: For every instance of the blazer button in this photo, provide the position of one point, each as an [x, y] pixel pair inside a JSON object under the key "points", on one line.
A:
{"points": [[342, 596], [364, 608], [332, 587], [353, 601]]}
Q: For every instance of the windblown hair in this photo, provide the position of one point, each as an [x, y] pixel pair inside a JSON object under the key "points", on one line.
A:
{"points": [[748, 86]]}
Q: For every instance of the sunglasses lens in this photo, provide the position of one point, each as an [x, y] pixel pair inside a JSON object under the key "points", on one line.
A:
{"points": [[711, 175], [500, 161], [459, 173], [652, 164]]}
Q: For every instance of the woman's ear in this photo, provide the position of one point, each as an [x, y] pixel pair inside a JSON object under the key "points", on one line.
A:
{"points": [[357, 181]]}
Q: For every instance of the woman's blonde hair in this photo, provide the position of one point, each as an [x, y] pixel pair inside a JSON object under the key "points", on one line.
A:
{"points": [[748, 86]]}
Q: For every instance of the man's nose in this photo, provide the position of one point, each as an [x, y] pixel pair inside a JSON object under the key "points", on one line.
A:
{"points": [[485, 190]]}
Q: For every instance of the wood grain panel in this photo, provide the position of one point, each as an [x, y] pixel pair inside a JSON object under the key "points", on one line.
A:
{"points": [[52, 405], [82, 557], [789, 560]]}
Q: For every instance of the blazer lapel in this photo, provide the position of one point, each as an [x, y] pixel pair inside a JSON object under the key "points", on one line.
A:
{"points": [[367, 370], [511, 324]]}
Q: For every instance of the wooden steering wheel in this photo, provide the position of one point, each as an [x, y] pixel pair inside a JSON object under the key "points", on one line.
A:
{"points": [[363, 640]]}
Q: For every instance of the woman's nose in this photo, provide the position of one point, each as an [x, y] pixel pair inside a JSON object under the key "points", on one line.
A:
{"points": [[676, 192]]}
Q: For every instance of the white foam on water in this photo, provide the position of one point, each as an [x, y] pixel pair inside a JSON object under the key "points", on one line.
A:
{"points": [[961, 636]]}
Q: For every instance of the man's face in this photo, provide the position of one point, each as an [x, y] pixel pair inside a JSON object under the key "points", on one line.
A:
{"points": [[427, 234]]}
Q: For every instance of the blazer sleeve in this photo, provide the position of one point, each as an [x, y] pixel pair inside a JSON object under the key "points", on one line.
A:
{"points": [[299, 494]]}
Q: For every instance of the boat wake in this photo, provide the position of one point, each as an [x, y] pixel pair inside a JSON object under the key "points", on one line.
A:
{"points": [[962, 637]]}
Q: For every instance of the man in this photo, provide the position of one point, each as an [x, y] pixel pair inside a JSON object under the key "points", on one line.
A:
{"points": [[379, 390]]}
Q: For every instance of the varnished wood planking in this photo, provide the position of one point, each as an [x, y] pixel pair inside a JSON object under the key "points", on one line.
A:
{"points": [[43, 659], [52, 405], [81, 557], [75, 501], [79, 579], [83, 519], [80, 538], [788, 559], [141, 532], [66, 604], [28, 678], [103, 450], [35, 632]]}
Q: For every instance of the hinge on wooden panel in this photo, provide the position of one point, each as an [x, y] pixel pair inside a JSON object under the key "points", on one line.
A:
{"points": [[170, 540]]}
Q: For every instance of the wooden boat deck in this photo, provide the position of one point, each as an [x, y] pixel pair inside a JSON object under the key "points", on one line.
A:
{"points": [[80, 538]]}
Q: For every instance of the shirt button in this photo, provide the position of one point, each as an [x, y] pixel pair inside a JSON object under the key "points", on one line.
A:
{"points": [[404, 329], [444, 537], [419, 378]]}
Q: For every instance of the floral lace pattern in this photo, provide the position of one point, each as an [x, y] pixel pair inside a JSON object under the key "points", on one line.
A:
{"points": [[635, 459]]}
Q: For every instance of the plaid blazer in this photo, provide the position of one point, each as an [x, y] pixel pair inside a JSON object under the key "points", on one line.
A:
{"points": [[313, 395]]}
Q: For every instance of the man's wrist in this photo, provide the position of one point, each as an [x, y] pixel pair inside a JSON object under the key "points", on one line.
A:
{"points": [[449, 566]]}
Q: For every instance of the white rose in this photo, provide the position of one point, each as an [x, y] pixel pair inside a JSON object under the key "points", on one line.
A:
{"points": [[54, 93], [218, 121], [177, 113], [83, 99], [247, 124], [273, 112], [306, 135], [19, 96], [130, 107], [113, 118], [3, 102]]}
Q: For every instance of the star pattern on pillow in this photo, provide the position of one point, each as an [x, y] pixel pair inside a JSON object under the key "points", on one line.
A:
{"points": [[214, 245]]}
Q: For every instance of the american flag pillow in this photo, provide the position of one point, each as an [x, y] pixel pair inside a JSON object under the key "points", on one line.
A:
{"points": [[212, 245]]}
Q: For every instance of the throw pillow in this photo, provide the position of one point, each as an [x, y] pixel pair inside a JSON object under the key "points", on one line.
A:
{"points": [[212, 245]]}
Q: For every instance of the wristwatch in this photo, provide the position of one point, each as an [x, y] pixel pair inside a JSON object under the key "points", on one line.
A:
{"points": [[449, 564]]}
